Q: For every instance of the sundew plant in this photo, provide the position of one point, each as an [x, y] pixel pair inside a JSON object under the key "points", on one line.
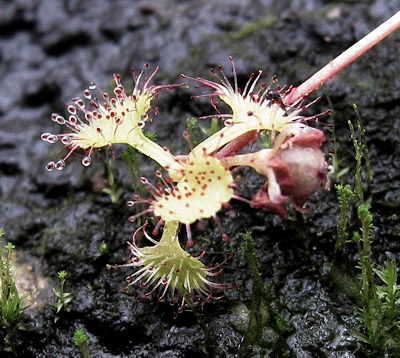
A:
{"points": [[196, 186]]}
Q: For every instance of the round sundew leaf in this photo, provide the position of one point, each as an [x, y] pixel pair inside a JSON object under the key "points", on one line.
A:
{"points": [[166, 267], [112, 124], [179, 269], [205, 185], [110, 119], [253, 109]]}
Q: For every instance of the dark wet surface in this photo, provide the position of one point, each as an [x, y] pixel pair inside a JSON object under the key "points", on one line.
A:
{"points": [[51, 50]]}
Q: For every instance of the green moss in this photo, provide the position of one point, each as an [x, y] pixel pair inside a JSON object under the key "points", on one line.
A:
{"points": [[112, 190], [264, 321], [339, 168], [63, 298], [253, 26], [82, 341], [380, 314], [11, 303], [342, 271], [344, 195], [379, 305]]}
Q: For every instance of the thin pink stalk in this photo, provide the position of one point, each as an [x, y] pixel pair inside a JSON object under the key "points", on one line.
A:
{"points": [[343, 60], [323, 75]]}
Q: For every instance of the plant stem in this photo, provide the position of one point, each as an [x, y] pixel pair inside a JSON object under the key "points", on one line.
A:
{"points": [[112, 189], [364, 148], [343, 60], [85, 350], [257, 160], [151, 149], [258, 316], [170, 233], [344, 195], [368, 283], [323, 75]]}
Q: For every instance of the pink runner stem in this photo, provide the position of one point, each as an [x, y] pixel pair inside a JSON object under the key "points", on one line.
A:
{"points": [[323, 75], [343, 60]]}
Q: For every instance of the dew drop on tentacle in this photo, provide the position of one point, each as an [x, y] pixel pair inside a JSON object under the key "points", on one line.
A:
{"points": [[55, 117], [66, 140], [144, 180], [73, 120], [86, 161], [79, 102], [50, 166], [92, 86], [118, 90], [45, 136], [71, 109], [60, 165], [190, 243], [117, 79], [228, 123], [156, 229], [60, 119], [52, 138], [87, 94]]}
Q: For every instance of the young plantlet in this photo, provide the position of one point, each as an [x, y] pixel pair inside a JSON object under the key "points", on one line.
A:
{"points": [[11, 303], [389, 292], [109, 120], [380, 303], [81, 340], [172, 273], [294, 166], [63, 298]]}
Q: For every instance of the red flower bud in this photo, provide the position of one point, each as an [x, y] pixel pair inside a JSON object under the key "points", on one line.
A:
{"points": [[296, 170]]}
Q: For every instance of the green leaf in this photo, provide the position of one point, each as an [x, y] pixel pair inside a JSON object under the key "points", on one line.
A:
{"points": [[151, 135], [80, 337], [57, 292], [9, 246], [62, 275]]}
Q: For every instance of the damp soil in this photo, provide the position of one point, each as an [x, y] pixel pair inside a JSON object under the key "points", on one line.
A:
{"points": [[51, 50]]}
